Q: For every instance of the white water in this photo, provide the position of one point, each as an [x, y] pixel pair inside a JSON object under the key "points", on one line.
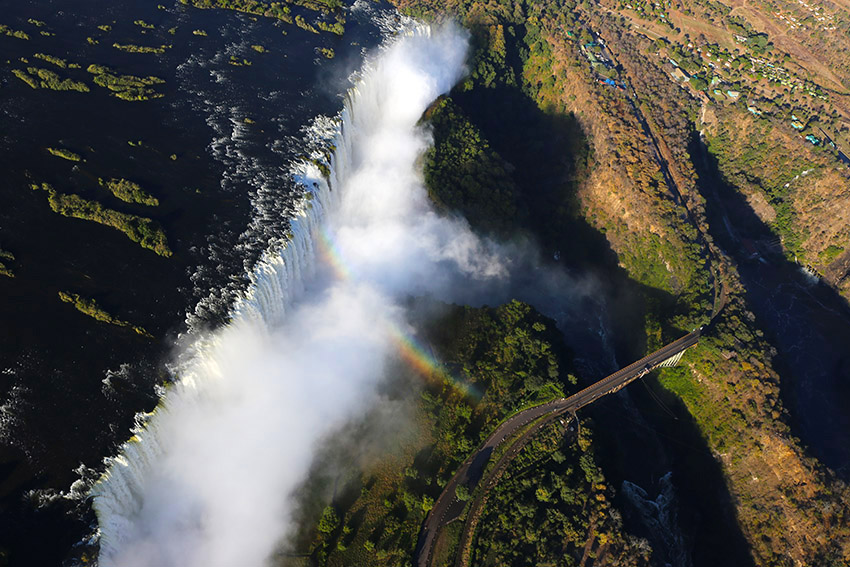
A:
{"points": [[207, 478]]}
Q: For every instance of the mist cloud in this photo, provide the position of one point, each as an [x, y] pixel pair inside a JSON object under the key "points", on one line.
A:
{"points": [[209, 480]]}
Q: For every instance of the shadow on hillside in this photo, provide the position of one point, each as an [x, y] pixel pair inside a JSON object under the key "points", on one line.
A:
{"points": [[807, 321], [550, 153]]}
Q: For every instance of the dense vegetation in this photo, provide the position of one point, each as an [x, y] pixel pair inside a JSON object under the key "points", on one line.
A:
{"points": [[9, 32], [65, 153], [129, 191], [464, 174], [553, 507], [46, 79], [278, 10], [92, 309], [58, 61], [148, 233], [283, 11], [132, 48], [126, 87]]}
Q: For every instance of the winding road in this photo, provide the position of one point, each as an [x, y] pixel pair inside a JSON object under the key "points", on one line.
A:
{"points": [[448, 507]]}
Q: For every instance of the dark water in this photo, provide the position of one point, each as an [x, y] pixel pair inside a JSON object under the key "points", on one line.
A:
{"points": [[70, 386]]}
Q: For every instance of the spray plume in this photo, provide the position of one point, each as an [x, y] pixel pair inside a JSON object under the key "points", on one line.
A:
{"points": [[208, 477]]}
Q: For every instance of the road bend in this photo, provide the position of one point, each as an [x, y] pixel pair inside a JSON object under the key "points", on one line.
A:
{"points": [[448, 507]]}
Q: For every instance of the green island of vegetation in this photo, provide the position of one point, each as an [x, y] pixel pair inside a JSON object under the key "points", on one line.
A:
{"points": [[65, 154], [126, 87], [131, 48], [326, 52], [336, 27], [129, 191], [201, 33], [282, 11], [90, 307], [304, 24], [236, 62], [7, 31], [259, 48], [144, 24], [5, 257], [147, 232], [276, 10], [58, 61], [45, 79]]}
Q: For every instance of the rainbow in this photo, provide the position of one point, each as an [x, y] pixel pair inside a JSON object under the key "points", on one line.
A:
{"points": [[409, 348], [331, 255]]}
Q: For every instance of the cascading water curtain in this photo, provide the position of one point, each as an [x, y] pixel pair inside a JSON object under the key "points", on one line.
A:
{"points": [[207, 478]]}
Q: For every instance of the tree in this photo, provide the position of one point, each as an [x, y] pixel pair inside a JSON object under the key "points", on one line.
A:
{"points": [[329, 521], [699, 83]]}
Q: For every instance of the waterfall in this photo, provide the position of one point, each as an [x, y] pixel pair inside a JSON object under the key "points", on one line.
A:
{"points": [[276, 283], [206, 476]]}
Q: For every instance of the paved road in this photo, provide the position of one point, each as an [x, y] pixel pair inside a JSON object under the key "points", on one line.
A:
{"points": [[448, 508]]}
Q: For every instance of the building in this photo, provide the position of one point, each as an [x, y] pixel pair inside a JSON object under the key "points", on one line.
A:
{"points": [[680, 75]]}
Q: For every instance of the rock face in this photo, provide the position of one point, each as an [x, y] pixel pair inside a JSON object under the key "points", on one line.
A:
{"points": [[659, 517]]}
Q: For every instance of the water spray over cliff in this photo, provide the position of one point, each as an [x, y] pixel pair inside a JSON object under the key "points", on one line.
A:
{"points": [[208, 476]]}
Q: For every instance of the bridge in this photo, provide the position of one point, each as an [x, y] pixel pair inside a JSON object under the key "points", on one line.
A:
{"points": [[449, 507]]}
